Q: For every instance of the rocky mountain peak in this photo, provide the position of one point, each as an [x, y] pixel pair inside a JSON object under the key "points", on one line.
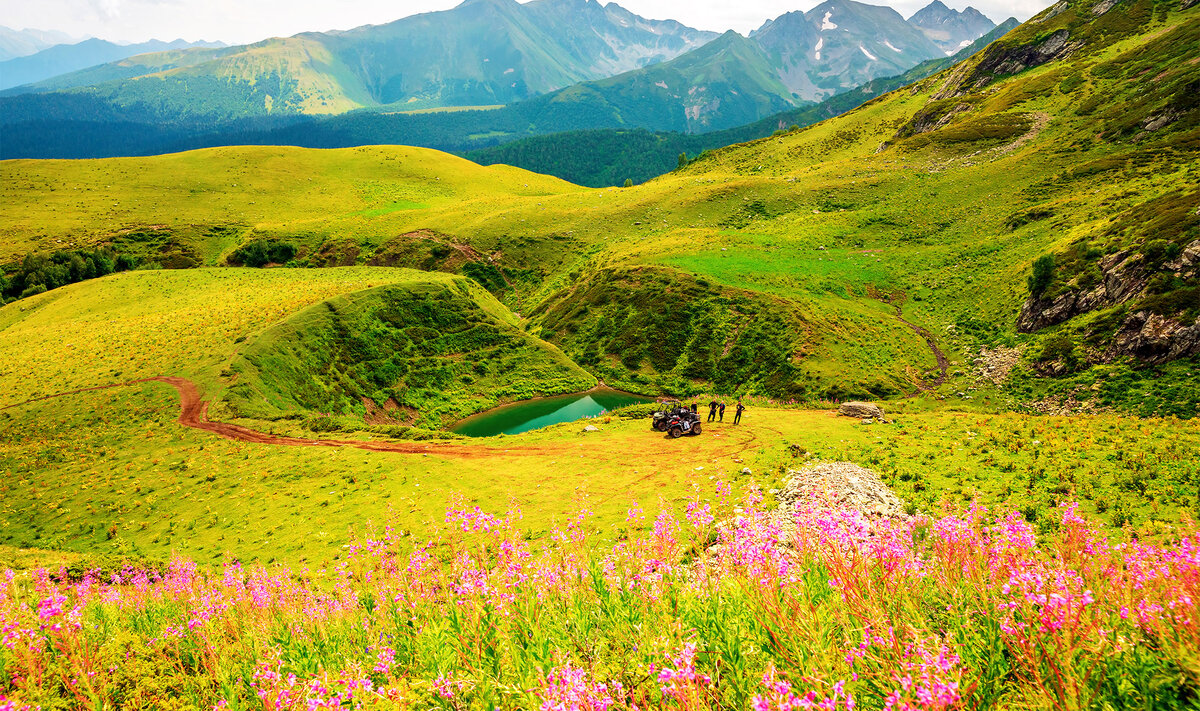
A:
{"points": [[951, 29]]}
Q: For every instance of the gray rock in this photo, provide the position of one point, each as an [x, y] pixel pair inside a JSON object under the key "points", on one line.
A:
{"points": [[861, 410], [591, 428], [1152, 338], [1124, 278], [842, 485]]}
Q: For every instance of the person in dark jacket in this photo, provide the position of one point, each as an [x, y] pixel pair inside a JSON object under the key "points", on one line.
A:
{"points": [[737, 415], [712, 410], [721, 411]]}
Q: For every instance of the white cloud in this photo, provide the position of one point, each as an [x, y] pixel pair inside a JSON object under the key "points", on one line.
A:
{"points": [[108, 10], [238, 21]]}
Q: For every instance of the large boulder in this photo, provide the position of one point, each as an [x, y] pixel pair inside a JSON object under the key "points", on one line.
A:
{"points": [[861, 410], [841, 485]]}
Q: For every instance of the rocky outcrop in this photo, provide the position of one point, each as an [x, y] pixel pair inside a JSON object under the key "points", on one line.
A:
{"points": [[1103, 6], [861, 410], [1123, 280], [1153, 338], [1055, 11], [995, 364], [1187, 264], [1010, 60], [930, 119], [1187, 3], [839, 485], [1146, 334]]}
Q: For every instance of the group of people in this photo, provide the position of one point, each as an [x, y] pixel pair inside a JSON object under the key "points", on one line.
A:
{"points": [[716, 411]]}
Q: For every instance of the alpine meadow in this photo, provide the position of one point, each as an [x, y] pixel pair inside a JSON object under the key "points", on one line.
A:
{"points": [[868, 377]]}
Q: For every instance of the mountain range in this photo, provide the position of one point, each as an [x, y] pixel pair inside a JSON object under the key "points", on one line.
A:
{"points": [[554, 65], [21, 43], [482, 52], [65, 58]]}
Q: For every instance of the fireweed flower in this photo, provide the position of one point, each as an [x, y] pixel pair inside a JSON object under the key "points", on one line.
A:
{"points": [[570, 689], [895, 608]]}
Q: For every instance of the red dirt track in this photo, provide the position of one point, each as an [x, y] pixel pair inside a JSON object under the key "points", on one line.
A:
{"points": [[193, 412]]}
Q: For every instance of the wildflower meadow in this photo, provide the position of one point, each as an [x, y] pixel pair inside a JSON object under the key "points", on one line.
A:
{"points": [[731, 605]]}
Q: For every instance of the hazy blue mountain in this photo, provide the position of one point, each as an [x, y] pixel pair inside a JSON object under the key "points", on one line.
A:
{"points": [[64, 58], [480, 53], [370, 84], [950, 29], [21, 43]]}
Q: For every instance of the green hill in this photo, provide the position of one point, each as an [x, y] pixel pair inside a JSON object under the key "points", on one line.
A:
{"points": [[827, 262], [427, 353], [1063, 138]]}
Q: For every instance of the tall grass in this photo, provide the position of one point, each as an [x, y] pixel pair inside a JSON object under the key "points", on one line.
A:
{"points": [[729, 606]]}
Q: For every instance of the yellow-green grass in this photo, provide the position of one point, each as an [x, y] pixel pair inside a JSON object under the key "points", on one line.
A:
{"points": [[113, 472], [146, 323], [361, 192], [936, 214]]}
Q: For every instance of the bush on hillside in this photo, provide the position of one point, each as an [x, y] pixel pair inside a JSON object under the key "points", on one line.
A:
{"points": [[261, 252], [487, 274], [1043, 274]]}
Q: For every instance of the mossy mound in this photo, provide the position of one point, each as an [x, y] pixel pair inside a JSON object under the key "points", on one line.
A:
{"points": [[425, 353]]}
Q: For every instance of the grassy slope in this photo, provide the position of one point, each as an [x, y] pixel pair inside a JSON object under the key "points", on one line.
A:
{"points": [[933, 209], [139, 324], [437, 349], [88, 463], [368, 192]]}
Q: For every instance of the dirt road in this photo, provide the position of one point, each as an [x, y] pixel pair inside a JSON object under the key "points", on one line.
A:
{"points": [[193, 412]]}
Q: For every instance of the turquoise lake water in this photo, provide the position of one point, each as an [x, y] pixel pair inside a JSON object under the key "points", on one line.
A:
{"points": [[540, 412]]}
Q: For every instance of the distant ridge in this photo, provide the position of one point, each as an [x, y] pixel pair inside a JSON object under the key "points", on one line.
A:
{"points": [[64, 58], [482, 52], [553, 65], [21, 43]]}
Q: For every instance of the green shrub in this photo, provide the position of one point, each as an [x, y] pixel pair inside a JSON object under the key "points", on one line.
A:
{"points": [[1043, 275], [261, 252]]}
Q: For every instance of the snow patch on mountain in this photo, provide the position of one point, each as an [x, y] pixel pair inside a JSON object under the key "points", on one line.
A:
{"points": [[869, 55], [826, 24], [892, 46]]}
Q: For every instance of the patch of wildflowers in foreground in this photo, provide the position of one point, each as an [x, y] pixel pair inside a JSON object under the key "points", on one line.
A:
{"points": [[726, 607]]}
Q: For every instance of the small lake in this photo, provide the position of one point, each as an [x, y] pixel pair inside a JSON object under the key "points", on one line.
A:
{"points": [[540, 412]]}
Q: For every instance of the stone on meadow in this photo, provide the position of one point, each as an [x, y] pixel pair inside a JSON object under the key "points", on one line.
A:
{"points": [[861, 410]]}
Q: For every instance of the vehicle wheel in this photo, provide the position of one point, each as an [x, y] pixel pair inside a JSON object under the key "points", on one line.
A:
{"points": [[675, 432], [696, 429]]}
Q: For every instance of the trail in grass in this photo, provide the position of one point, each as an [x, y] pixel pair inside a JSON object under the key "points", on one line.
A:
{"points": [[193, 412], [942, 361]]}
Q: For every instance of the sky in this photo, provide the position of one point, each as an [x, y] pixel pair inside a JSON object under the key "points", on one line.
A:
{"points": [[243, 21]]}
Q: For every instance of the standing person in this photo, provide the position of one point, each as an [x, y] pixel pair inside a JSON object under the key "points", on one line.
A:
{"points": [[737, 415], [712, 410], [721, 411], [695, 409]]}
